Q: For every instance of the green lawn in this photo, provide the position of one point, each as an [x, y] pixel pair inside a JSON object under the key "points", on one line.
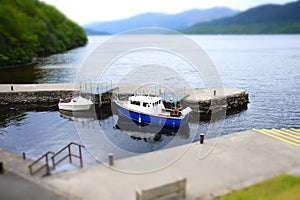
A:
{"points": [[279, 188]]}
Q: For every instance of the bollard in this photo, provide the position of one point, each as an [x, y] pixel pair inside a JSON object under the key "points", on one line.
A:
{"points": [[1, 167], [215, 92], [12, 88], [24, 156], [201, 138], [111, 159]]}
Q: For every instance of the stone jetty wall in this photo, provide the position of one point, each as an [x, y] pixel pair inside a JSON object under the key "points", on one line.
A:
{"points": [[201, 100], [36, 97], [232, 103]]}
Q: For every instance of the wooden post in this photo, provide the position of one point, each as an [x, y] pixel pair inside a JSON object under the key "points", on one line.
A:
{"points": [[53, 162], [70, 155], [1, 167], [201, 138], [47, 165], [111, 159]]}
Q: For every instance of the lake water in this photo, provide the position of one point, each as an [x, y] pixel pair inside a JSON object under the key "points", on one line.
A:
{"points": [[267, 66]]}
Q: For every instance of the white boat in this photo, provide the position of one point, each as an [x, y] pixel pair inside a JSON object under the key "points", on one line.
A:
{"points": [[77, 103], [150, 110]]}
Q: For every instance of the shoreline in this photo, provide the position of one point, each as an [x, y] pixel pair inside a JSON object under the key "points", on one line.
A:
{"points": [[33, 62]]}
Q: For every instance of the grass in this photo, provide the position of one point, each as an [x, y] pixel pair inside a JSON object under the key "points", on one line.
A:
{"points": [[278, 188]]}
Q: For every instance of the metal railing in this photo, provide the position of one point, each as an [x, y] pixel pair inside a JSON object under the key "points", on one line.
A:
{"points": [[46, 165], [69, 155], [54, 162], [95, 88]]}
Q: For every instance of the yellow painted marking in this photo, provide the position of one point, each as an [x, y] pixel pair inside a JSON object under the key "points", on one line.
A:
{"points": [[290, 131], [274, 136], [286, 133], [287, 137], [297, 130]]}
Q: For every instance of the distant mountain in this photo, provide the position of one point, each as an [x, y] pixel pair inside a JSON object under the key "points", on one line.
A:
{"points": [[178, 21], [93, 32], [263, 19]]}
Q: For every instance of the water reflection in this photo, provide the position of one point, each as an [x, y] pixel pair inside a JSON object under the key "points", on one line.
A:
{"points": [[125, 124], [99, 130], [149, 133], [21, 75], [11, 116], [57, 68], [95, 113]]}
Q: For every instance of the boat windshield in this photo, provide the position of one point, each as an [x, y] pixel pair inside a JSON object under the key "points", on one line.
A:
{"points": [[146, 102], [138, 103]]}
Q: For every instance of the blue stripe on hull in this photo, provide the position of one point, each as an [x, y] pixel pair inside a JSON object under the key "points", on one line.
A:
{"points": [[149, 119]]}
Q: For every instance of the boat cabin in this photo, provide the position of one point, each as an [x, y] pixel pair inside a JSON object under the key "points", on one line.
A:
{"points": [[146, 104]]}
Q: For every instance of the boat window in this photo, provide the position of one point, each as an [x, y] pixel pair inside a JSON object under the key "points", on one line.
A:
{"points": [[135, 103], [145, 104]]}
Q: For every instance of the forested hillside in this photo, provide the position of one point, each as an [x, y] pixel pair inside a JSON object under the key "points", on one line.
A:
{"points": [[265, 19], [30, 28]]}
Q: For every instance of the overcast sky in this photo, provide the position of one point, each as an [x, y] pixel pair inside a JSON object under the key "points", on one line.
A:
{"points": [[85, 11]]}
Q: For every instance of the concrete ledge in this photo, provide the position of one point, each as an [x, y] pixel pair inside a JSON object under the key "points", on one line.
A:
{"points": [[237, 160]]}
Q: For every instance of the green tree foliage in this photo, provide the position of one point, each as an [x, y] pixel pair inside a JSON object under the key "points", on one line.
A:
{"points": [[30, 28], [255, 28]]}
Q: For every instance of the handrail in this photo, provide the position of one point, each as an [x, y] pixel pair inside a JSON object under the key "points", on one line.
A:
{"points": [[46, 156], [69, 154], [43, 166]]}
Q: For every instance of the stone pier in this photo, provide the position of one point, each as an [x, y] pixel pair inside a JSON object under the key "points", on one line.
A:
{"points": [[201, 100]]}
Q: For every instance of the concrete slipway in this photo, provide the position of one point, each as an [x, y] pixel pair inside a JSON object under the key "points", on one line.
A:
{"points": [[236, 160]]}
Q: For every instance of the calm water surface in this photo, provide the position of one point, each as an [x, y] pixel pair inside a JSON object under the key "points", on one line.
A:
{"points": [[268, 67]]}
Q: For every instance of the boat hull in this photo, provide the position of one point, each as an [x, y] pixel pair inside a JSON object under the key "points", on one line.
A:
{"points": [[75, 104], [144, 119], [68, 107]]}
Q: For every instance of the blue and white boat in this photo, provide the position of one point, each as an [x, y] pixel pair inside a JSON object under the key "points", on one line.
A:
{"points": [[146, 110]]}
